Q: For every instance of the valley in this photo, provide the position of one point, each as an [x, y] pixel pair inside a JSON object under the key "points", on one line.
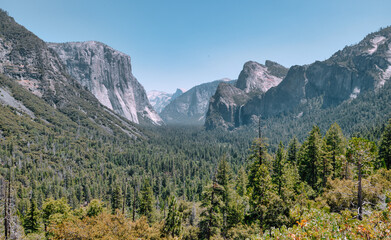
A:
{"points": [[300, 152]]}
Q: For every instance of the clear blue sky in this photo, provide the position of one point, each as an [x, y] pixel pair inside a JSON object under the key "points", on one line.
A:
{"points": [[182, 43]]}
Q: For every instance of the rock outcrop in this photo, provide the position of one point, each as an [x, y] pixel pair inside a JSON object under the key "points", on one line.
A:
{"points": [[225, 107], [107, 73], [190, 108], [256, 77]]}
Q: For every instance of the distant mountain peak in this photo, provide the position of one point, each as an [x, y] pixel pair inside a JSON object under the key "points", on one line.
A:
{"points": [[190, 107]]}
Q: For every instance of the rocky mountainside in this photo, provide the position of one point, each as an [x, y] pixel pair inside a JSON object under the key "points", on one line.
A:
{"points": [[28, 60], [225, 106], [256, 77], [190, 107], [107, 73], [160, 100], [356, 69]]}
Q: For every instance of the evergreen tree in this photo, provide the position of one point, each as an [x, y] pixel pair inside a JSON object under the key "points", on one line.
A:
{"points": [[211, 220], [31, 220], [146, 200], [290, 183], [335, 146], [116, 198], [293, 150], [278, 167], [385, 146], [223, 178], [241, 182], [310, 157], [173, 222], [266, 207]]}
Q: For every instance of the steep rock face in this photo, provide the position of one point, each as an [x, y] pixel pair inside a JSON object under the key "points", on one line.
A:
{"points": [[226, 106], [26, 58], [256, 77], [160, 100], [190, 108], [354, 70], [107, 73], [363, 67]]}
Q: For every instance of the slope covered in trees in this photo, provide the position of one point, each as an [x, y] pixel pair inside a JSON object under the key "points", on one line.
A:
{"points": [[189, 184]]}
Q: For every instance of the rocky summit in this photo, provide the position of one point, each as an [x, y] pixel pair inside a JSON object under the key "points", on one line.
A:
{"points": [[107, 73], [356, 69], [256, 77], [225, 106]]}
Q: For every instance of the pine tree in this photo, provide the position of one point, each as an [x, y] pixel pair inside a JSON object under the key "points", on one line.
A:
{"points": [[385, 146], [31, 220], [146, 200], [266, 207], [241, 182], [310, 157], [293, 150], [173, 222], [116, 198], [335, 146], [211, 219], [223, 178], [278, 167]]}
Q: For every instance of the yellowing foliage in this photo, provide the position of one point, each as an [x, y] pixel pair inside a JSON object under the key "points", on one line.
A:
{"points": [[104, 226]]}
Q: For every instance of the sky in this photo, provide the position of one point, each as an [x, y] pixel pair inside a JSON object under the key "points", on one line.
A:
{"points": [[183, 43]]}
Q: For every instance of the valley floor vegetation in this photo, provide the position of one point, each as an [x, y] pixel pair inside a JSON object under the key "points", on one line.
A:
{"points": [[197, 186]]}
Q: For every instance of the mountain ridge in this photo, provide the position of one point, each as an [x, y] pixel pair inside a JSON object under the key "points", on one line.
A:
{"points": [[358, 68], [27, 60]]}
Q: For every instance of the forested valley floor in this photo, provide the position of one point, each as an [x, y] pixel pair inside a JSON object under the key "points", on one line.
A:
{"points": [[187, 183]]}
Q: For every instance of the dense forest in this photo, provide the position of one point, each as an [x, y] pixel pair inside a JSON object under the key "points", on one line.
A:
{"points": [[61, 180]]}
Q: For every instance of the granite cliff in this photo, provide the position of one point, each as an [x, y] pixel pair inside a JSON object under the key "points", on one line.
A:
{"points": [[107, 73], [225, 106], [27, 60]]}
